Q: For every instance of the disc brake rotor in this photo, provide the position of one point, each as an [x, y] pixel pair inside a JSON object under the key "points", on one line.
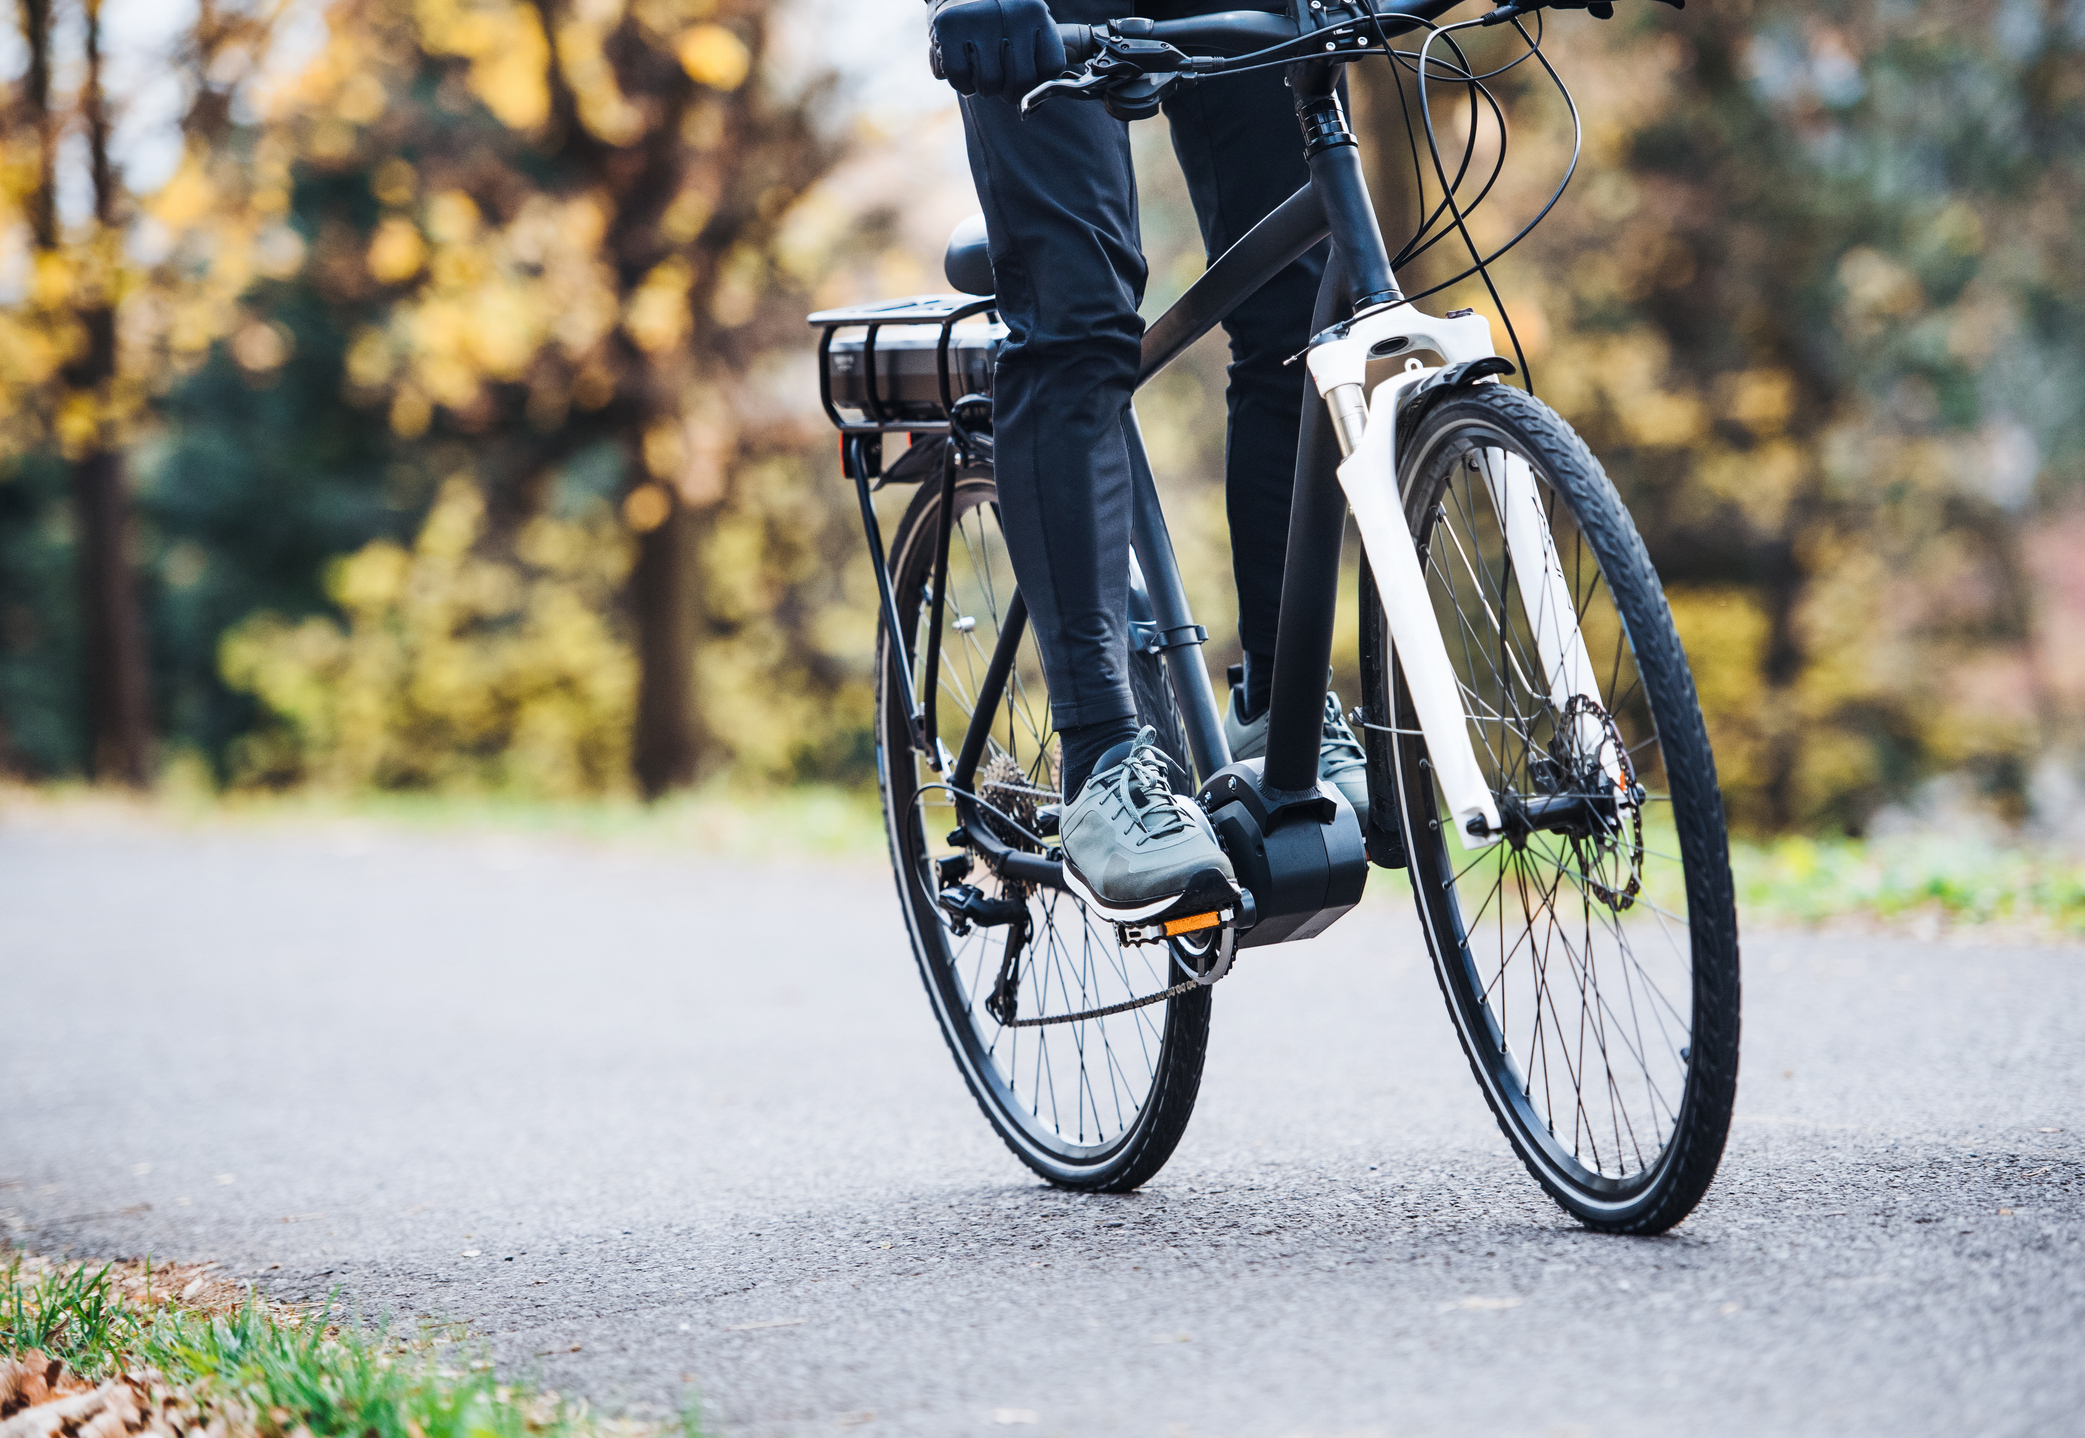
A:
{"points": [[1623, 841]]}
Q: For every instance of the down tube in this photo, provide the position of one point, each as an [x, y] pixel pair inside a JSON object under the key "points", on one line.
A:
{"points": [[1154, 546]]}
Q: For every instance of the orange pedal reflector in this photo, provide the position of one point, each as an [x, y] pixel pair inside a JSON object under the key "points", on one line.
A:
{"points": [[1192, 922]]}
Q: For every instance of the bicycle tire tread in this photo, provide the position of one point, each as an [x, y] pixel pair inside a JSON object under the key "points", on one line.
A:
{"points": [[1696, 1149], [1176, 1086]]}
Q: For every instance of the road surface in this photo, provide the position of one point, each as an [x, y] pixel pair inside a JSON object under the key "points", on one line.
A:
{"points": [[661, 1126]]}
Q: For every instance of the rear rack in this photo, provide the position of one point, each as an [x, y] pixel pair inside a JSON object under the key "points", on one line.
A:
{"points": [[945, 311]]}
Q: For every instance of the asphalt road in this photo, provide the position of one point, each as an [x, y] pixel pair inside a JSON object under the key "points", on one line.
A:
{"points": [[657, 1126]]}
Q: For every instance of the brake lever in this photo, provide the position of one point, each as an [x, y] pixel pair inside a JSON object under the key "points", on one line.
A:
{"points": [[1121, 57], [1081, 88]]}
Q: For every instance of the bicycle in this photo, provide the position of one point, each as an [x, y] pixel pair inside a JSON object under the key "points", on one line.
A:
{"points": [[1524, 692]]}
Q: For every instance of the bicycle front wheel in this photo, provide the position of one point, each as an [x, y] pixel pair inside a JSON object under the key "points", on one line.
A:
{"points": [[1589, 959], [1087, 1102]]}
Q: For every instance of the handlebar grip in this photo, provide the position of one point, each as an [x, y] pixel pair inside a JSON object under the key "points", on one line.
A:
{"points": [[1079, 44]]}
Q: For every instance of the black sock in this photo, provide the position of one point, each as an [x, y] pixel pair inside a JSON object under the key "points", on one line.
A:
{"points": [[1085, 743], [1259, 686]]}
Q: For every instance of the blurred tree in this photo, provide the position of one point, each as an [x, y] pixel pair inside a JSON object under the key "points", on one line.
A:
{"points": [[552, 225], [1815, 301], [78, 396], [87, 344]]}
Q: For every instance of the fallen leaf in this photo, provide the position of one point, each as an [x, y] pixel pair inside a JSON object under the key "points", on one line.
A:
{"points": [[2037, 1173], [849, 1420], [472, 1252], [763, 1323], [2005, 1213]]}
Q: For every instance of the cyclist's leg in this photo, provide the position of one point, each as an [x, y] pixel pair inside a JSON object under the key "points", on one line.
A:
{"points": [[1060, 206], [1240, 148]]}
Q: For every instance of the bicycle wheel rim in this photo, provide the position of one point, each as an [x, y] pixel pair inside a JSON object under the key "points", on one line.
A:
{"points": [[1496, 939], [1071, 1098]]}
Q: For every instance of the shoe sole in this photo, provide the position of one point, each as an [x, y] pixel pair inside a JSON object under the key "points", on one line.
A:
{"points": [[1206, 892]]}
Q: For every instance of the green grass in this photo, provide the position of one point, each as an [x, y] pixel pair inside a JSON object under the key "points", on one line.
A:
{"points": [[271, 1371], [777, 824], [1955, 880], [71, 1315]]}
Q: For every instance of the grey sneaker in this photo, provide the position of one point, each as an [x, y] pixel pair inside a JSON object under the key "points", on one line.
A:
{"points": [[1133, 849], [1340, 756]]}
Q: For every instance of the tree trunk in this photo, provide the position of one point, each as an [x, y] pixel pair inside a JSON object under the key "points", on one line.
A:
{"points": [[119, 698], [119, 694], [663, 595]]}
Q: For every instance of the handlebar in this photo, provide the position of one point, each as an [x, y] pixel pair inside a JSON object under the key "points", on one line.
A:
{"points": [[1126, 51], [1237, 32], [1201, 44]]}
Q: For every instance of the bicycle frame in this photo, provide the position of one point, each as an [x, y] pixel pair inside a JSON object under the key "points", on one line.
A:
{"points": [[1346, 458]]}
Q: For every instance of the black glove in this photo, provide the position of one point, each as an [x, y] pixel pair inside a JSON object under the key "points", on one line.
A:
{"points": [[997, 47]]}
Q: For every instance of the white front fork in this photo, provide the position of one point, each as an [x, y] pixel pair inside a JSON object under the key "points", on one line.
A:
{"points": [[1368, 435]]}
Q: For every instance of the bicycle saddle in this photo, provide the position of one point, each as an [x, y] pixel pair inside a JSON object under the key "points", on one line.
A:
{"points": [[968, 264]]}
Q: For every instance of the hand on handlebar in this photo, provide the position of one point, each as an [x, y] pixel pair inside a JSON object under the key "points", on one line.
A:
{"points": [[1132, 56], [996, 47], [1598, 9]]}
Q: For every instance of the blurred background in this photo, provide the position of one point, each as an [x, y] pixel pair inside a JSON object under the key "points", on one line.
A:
{"points": [[413, 396]]}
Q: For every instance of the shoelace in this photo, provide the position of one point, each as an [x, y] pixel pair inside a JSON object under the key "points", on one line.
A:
{"points": [[1341, 751], [1140, 785]]}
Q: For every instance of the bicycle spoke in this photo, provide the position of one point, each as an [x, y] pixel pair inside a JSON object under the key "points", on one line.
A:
{"points": [[1579, 960]]}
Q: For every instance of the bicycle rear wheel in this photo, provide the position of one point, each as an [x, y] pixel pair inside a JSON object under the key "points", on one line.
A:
{"points": [[1590, 960], [1090, 1103]]}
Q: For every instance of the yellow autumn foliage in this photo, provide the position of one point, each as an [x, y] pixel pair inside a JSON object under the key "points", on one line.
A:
{"points": [[715, 57], [452, 670]]}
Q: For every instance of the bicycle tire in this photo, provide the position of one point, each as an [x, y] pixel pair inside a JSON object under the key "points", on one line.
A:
{"points": [[1165, 1068], [1599, 1172]]}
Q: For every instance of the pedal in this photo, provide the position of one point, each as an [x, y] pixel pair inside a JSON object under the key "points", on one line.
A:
{"points": [[1157, 931]]}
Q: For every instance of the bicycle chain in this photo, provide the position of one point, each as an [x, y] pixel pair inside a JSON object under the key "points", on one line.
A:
{"points": [[1121, 1008]]}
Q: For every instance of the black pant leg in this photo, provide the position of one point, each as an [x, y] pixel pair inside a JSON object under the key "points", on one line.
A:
{"points": [[1060, 204], [1242, 152]]}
